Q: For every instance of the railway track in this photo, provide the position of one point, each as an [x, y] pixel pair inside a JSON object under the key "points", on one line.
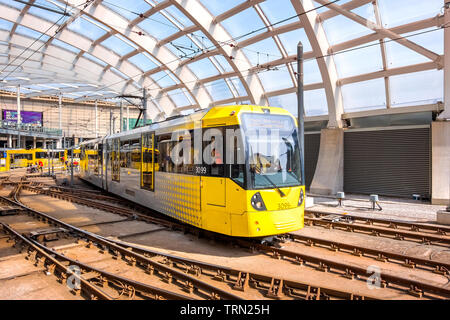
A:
{"points": [[414, 287], [172, 268], [399, 230]]}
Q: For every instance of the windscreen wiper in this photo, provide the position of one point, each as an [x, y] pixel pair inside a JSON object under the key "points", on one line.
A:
{"points": [[272, 183]]}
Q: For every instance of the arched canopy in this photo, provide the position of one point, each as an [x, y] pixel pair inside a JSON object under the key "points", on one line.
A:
{"points": [[360, 55]]}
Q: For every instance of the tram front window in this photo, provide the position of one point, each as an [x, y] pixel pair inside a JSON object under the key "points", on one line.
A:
{"points": [[273, 152]]}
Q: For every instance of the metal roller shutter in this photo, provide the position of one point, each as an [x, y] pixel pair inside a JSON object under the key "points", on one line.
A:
{"points": [[388, 162], [312, 146]]}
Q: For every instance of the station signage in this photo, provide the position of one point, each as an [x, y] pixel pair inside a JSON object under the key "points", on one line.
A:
{"points": [[27, 117]]}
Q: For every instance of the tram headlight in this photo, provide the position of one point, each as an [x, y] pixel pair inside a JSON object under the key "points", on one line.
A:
{"points": [[257, 202], [301, 198]]}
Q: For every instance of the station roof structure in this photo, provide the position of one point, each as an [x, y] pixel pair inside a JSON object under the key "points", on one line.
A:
{"points": [[360, 55]]}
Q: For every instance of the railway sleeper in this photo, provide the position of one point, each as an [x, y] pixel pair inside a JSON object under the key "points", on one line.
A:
{"points": [[275, 290], [242, 280]]}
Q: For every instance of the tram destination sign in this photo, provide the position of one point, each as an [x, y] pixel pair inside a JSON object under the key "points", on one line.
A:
{"points": [[27, 117]]}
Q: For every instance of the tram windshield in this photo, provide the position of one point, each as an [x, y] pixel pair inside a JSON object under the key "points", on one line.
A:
{"points": [[273, 153]]}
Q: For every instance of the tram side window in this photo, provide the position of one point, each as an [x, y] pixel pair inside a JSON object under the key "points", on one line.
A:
{"points": [[124, 154], [215, 150], [23, 156], [236, 167], [147, 161], [165, 163], [41, 155], [115, 160], [135, 154]]}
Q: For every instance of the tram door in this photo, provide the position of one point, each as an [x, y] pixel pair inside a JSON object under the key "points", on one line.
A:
{"points": [[115, 160], [148, 161]]}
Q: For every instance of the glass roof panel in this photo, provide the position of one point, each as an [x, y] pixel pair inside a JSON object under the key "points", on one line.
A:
{"points": [[340, 29], [64, 45], [128, 9], [14, 4], [400, 56], [223, 62], [276, 79], [311, 71], [262, 52], [117, 45], [349, 62], [47, 14], [240, 28], [179, 98], [163, 79], [398, 12], [290, 41], [5, 25], [315, 103], [95, 59], [279, 10], [141, 61], [365, 95], [219, 90], [285, 101], [158, 26], [237, 85], [31, 33], [417, 88], [86, 28], [178, 16], [217, 7], [203, 68]]}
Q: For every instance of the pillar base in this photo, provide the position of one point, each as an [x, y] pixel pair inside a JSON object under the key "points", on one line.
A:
{"points": [[440, 149], [329, 176], [443, 217]]}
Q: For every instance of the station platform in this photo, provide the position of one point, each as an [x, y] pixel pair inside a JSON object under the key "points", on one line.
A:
{"points": [[392, 208]]}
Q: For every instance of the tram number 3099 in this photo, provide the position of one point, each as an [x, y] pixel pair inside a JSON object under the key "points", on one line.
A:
{"points": [[200, 170]]}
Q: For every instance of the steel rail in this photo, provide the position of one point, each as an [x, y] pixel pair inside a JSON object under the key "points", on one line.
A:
{"points": [[54, 265], [415, 287], [391, 223], [106, 207], [182, 278], [154, 292], [242, 279], [382, 255], [380, 231]]}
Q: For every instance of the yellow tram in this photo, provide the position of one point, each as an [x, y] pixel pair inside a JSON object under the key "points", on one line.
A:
{"points": [[258, 195]]}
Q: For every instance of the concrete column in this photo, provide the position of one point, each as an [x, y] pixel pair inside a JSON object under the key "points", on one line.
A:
{"points": [[329, 176], [110, 121], [446, 113], [34, 142], [9, 141], [44, 144], [144, 106], [128, 118], [60, 119], [121, 117], [440, 168], [96, 119], [19, 120]]}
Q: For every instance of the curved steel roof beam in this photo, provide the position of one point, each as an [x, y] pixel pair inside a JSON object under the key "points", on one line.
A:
{"points": [[385, 32], [217, 34], [83, 44], [149, 45], [319, 43]]}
